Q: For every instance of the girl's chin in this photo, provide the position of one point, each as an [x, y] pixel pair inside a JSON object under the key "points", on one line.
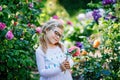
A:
{"points": [[55, 43]]}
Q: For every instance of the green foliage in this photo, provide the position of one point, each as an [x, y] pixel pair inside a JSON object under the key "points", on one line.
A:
{"points": [[111, 36], [73, 6], [17, 58], [101, 62]]}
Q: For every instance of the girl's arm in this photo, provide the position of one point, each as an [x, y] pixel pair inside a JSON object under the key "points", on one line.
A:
{"points": [[41, 66]]}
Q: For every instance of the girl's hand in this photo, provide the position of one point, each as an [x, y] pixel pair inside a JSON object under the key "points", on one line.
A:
{"points": [[67, 64], [62, 66]]}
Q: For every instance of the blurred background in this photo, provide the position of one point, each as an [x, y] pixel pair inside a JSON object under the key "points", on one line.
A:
{"points": [[91, 25]]}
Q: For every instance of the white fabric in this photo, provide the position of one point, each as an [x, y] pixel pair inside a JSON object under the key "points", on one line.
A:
{"points": [[49, 64]]}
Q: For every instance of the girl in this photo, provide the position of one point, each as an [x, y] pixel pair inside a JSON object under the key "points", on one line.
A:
{"points": [[50, 55]]}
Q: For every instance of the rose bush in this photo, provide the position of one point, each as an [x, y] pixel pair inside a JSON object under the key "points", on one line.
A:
{"points": [[17, 38], [100, 40]]}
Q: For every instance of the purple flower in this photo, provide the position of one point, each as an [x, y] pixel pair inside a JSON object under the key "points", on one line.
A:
{"points": [[55, 17], [109, 16], [113, 1], [0, 8], [9, 35], [2, 26], [79, 44], [96, 15], [105, 2], [31, 5], [113, 17], [38, 30]]}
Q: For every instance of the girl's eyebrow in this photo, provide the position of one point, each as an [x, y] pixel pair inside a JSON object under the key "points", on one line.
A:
{"points": [[58, 33]]}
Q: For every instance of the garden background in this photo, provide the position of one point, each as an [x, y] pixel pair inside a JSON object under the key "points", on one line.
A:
{"points": [[92, 25]]}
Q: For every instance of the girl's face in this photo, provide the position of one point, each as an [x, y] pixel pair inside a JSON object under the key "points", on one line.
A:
{"points": [[54, 35]]}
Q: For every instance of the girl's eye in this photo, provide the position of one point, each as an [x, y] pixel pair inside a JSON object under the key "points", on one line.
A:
{"points": [[58, 34]]}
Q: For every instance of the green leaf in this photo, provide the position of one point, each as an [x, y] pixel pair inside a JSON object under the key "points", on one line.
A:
{"points": [[105, 72]]}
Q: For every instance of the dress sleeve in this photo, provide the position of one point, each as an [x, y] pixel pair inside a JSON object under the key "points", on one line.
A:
{"points": [[41, 66], [69, 57]]}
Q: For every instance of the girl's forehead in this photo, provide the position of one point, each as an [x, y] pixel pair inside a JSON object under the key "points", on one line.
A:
{"points": [[58, 29]]}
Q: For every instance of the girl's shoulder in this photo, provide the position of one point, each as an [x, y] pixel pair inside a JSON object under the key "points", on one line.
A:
{"points": [[39, 51], [64, 47]]}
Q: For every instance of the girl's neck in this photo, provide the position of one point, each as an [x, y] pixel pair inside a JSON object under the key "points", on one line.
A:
{"points": [[51, 45]]}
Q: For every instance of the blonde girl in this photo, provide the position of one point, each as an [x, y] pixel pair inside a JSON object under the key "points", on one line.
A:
{"points": [[50, 55]]}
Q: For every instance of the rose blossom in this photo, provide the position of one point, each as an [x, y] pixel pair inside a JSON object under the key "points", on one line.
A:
{"points": [[2, 26], [69, 23], [74, 50], [31, 5], [38, 30], [9, 35], [55, 17], [0, 8]]}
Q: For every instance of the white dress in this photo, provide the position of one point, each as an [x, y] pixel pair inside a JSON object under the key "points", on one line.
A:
{"points": [[49, 64]]}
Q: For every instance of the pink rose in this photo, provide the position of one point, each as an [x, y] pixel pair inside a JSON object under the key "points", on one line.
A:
{"points": [[69, 23], [0, 8], [9, 35], [55, 17], [28, 24], [38, 30], [31, 5], [2, 26], [74, 50]]}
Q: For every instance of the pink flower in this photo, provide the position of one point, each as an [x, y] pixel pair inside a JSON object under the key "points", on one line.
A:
{"points": [[29, 24], [69, 23], [89, 15], [0, 8], [81, 17], [2, 26], [31, 5], [38, 30], [74, 50], [55, 17], [9, 35]]}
